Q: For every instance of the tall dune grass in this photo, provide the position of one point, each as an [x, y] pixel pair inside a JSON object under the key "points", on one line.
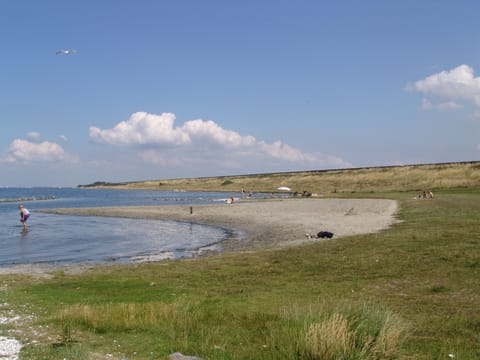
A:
{"points": [[373, 179], [329, 339], [364, 331]]}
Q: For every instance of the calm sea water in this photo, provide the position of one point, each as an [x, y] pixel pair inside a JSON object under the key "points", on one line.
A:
{"points": [[65, 239]]}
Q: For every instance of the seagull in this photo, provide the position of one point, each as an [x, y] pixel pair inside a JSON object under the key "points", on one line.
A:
{"points": [[66, 52]]}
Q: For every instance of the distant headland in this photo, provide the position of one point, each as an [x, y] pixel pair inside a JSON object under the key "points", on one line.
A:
{"points": [[366, 179]]}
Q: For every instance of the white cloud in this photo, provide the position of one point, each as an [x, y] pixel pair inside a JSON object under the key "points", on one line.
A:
{"points": [[200, 131], [33, 135], [199, 141], [449, 105], [26, 151], [283, 151], [141, 129], [64, 138], [453, 85]]}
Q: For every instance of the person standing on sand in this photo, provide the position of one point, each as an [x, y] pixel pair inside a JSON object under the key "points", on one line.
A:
{"points": [[24, 215]]}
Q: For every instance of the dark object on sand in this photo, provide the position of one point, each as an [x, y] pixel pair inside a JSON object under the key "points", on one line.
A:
{"points": [[325, 234]]}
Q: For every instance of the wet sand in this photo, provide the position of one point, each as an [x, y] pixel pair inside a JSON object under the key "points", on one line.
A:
{"points": [[261, 223]]}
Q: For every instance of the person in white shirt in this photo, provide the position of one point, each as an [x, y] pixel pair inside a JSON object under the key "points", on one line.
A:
{"points": [[24, 215]]}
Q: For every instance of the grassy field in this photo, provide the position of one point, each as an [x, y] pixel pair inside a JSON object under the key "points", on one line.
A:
{"points": [[410, 292], [375, 179]]}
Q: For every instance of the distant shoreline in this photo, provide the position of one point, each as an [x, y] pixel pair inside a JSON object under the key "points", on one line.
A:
{"points": [[395, 178], [108, 184]]}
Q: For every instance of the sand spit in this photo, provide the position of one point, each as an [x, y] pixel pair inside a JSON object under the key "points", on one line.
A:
{"points": [[269, 223]]}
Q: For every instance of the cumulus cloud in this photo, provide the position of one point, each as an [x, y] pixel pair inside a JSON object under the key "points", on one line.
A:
{"points": [[142, 129], [200, 131], [163, 143], [26, 151], [451, 86], [150, 129]]}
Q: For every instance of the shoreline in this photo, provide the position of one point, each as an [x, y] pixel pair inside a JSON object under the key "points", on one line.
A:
{"points": [[255, 224]]}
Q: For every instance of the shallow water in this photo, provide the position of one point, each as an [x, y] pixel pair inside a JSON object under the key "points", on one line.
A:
{"points": [[64, 239]]}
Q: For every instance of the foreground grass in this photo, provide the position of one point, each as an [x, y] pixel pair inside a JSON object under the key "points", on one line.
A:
{"points": [[409, 292]]}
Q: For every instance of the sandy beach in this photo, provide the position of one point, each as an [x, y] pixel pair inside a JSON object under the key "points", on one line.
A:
{"points": [[269, 223], [256, 224]]}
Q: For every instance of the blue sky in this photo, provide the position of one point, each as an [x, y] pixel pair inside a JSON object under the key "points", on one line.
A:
{"points": [[187, 88]]}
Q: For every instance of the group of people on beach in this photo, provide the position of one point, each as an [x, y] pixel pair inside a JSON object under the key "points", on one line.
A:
{"points": [[425, 195]]}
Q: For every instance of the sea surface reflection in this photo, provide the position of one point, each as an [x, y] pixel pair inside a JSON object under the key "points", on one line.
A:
{"points": [[64, 239]]}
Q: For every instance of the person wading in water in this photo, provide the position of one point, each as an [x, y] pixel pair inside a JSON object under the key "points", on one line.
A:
{"points": [[24, 215]]}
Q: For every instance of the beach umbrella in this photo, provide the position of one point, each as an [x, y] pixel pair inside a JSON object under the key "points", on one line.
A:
{"points": [[283, 188]]}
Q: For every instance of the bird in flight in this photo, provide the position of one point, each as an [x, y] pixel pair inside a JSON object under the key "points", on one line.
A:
{"points": [[66, 52]]}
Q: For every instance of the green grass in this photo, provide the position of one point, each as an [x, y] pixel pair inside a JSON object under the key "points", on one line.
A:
{"points": [[410, 292]]}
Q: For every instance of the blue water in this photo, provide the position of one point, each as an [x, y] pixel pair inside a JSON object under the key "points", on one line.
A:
{"points": [[65, 239]]}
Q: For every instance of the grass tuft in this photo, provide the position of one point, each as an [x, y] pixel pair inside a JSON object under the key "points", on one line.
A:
{"points": [[330, 339], [366, 332]]}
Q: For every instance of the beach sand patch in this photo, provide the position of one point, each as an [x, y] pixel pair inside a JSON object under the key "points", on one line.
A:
{"points": [[269, 223]]}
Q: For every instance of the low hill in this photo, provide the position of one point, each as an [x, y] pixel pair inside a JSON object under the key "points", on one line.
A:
{"points": [[371, 179]]}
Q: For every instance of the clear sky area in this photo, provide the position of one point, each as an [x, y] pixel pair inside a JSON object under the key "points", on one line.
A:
{"points": [[118, 90]]}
